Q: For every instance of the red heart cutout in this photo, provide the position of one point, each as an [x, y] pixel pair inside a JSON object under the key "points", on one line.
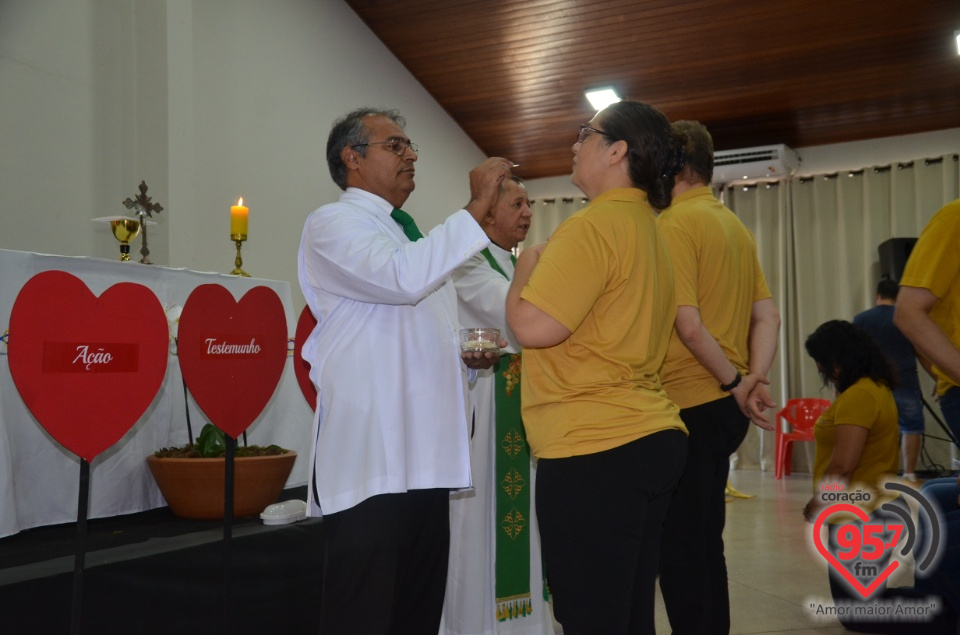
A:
{"points": [[86, 367], [301, 367], [865, 591], [232, 353]]}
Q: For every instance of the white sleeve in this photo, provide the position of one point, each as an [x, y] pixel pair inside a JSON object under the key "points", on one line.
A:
{"points": [[351, 255]]}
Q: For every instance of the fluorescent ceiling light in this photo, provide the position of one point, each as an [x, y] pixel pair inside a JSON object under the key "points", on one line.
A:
{"points": [[600, 98], [957, 34]]}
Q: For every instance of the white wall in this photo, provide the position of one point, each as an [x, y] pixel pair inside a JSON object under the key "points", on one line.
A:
{"points": [[205, 100], [65, 108]]}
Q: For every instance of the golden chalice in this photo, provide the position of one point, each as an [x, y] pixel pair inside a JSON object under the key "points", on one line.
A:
{"points": [[125, 230]]}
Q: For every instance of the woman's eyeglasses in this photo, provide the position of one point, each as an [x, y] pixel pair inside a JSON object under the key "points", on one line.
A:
{"points": [[586, 129]]}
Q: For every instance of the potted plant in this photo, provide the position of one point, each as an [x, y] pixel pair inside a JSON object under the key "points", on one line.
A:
{"points": [[191, 477]]}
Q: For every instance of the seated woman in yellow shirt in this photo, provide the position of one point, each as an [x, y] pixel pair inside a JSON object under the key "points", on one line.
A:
{"points": [[858, 435]]}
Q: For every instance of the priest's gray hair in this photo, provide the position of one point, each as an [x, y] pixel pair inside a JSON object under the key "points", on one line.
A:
{"points": [[349, 130]]}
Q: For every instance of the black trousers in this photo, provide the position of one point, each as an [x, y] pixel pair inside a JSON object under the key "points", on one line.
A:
{"points": [[693, 571], [601, 516], [386, 565]]}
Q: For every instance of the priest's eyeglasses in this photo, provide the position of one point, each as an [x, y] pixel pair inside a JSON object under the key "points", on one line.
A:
{"points": [[396, 146]]}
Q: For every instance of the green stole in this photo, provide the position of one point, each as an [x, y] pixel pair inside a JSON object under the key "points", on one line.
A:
{"points": [[513, 488], [406, 223]]}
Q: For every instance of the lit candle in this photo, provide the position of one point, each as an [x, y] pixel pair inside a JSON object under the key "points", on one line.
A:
{"points": [[238, 218]]}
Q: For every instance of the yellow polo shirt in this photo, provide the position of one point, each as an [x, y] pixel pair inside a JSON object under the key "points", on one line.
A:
{"points": [[606, 276], [869, 405], [716, 270], [934, 265]]}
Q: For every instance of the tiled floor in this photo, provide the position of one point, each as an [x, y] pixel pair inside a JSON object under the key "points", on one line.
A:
{"points": [[774, 572]]}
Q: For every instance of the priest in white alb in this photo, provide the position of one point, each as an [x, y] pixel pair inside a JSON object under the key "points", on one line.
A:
{"points": [[495, 579]]}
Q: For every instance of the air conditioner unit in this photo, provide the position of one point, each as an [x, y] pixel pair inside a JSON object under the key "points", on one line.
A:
{"points": [[751, 164]]}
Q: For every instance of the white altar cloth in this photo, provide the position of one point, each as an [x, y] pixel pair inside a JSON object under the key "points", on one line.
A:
{"points": [[39, 479]]}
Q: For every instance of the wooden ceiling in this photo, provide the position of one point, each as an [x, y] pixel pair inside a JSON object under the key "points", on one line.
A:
{"points": [[800, 72]]}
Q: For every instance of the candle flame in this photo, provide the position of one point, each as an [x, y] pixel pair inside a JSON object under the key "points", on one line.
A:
{"points": [[240, 202]]}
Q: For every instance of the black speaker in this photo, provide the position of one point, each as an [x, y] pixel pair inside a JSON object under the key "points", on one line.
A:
{"points": [[893, 257]]}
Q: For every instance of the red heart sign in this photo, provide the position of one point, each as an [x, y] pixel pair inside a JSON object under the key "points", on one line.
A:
{"points": [[232, 353], [865, 591], [301, 367], [86, 367]]}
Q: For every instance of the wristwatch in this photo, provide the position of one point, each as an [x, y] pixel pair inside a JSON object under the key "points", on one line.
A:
{"points": [[733, 384]]}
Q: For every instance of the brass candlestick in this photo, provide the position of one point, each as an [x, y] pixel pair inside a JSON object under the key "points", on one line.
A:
{"points": [[238, 261]]}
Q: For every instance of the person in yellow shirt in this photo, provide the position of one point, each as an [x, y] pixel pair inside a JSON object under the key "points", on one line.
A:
{"points": [[928, 306], [719, 355], [593, 309], [857, 437]]}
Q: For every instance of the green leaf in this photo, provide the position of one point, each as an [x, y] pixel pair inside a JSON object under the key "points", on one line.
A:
{"points": [[212, 442]]}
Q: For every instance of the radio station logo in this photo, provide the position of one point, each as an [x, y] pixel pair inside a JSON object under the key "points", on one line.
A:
{"points": [[865, 548]]}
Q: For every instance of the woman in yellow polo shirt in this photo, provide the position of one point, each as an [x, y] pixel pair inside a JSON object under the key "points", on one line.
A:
{"points": [[593, 309], [857, 436]]}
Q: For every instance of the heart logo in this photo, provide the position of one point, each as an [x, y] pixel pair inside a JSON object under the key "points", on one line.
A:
{"points": [[87, 367], [301, 367], [232, 353], [864, 591]]}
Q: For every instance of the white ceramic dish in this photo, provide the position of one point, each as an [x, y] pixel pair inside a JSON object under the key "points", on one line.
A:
{"points": [[284, 513]]}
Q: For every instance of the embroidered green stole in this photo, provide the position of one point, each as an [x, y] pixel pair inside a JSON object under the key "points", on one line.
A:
{"points": [[512, 469]]}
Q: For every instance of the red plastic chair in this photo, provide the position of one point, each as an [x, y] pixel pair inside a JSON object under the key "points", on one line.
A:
{"points": [[802, 415]]}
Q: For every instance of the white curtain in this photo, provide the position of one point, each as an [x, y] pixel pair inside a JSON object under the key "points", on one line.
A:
{"points": [[817, 239], [765, 210], [548, 213]]}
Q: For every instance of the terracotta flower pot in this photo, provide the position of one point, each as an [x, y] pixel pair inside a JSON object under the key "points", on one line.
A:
{"points": [[194, 488]]}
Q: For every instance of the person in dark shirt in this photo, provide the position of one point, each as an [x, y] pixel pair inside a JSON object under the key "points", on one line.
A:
{"points": [[878, 322]]}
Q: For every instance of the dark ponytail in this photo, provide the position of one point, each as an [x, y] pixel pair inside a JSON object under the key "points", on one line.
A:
{"points": [[663, 195], [654, 149]]}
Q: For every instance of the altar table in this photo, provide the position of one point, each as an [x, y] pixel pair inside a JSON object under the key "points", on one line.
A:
{"points": [[39, 479]]}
